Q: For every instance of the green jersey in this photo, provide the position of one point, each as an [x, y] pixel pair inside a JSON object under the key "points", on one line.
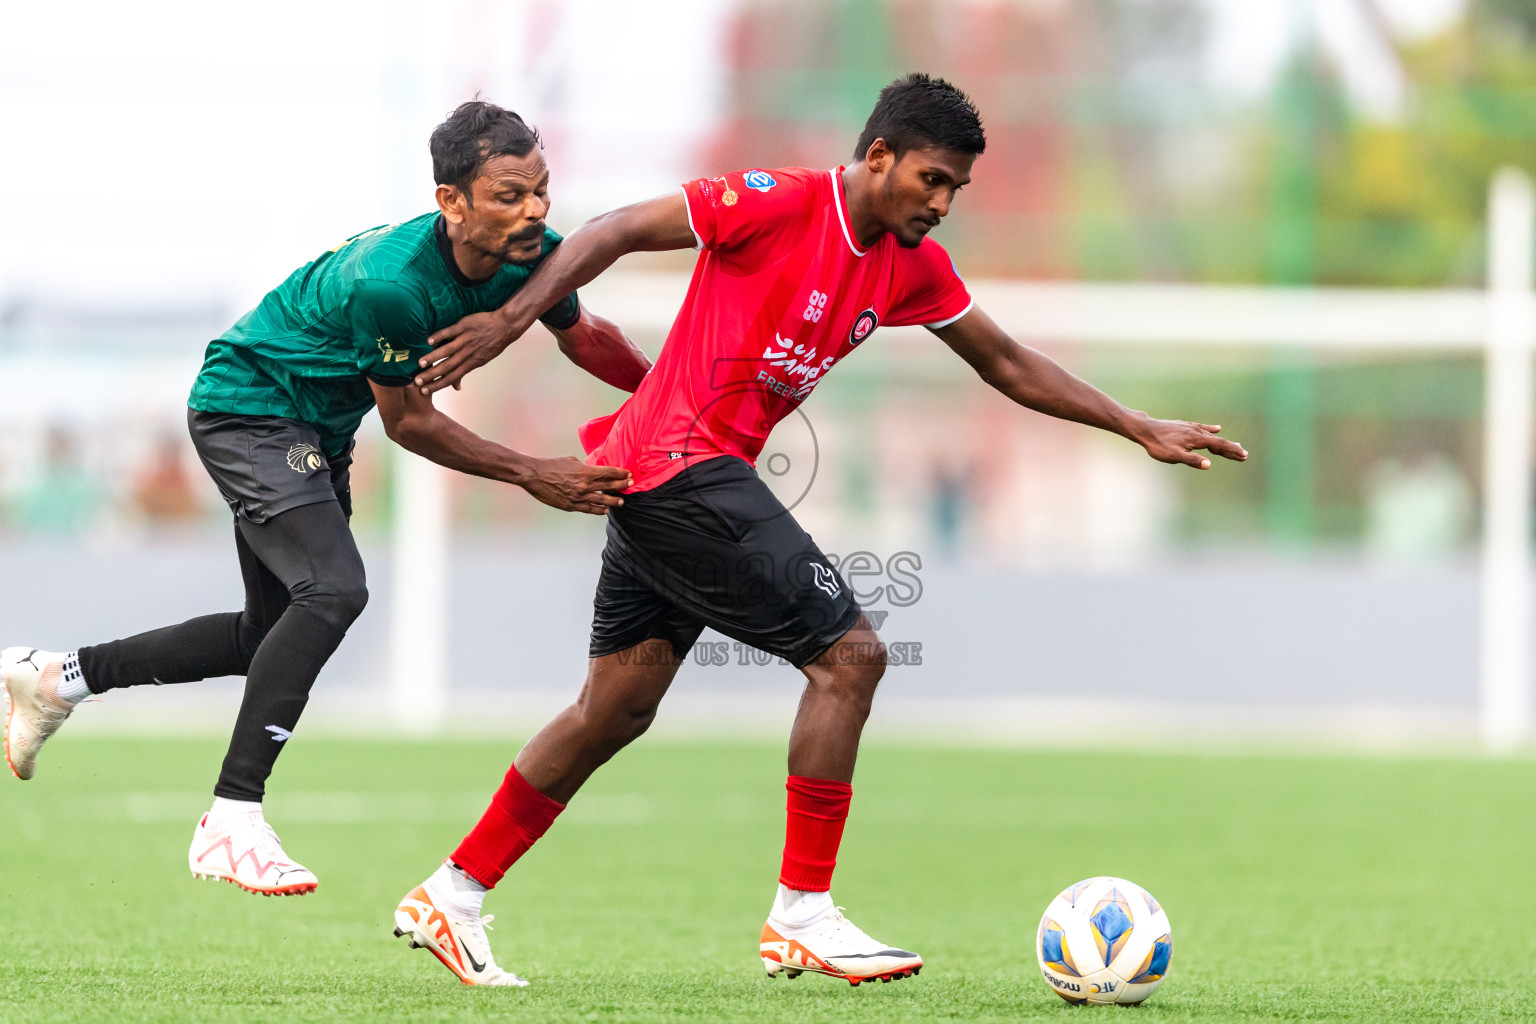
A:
{"points": [[361, 312]]}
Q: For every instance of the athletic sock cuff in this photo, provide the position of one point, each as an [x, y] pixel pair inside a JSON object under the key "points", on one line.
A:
{"points": [[518, 816], [82, 656], [533, 811], [818, 809], [819, 798], [73, 686]]}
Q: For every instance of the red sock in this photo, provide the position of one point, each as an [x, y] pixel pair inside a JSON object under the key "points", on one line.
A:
{"points": [[517, 817], [818, 808]]}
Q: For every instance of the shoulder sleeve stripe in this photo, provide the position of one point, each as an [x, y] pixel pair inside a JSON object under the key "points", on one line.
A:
{"points": [[388, 382], [945, 323]]}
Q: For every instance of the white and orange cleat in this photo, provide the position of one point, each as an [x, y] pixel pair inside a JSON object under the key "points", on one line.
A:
{"points": [[459, 943], [33, 708], [243, 850], [833, 945]]}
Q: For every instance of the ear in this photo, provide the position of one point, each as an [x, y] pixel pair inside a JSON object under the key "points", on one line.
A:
{"points": [[452, 202], [879, 158]]}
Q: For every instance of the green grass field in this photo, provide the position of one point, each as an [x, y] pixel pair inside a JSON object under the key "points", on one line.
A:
{"points": [[1303, 888]]}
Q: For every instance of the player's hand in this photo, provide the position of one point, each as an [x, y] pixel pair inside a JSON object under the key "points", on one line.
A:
{"points": [[573, 486], [1179, 442], [472, 342]]}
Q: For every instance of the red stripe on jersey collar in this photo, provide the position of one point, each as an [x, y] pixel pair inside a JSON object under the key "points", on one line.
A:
{"points": [[840, 200]]}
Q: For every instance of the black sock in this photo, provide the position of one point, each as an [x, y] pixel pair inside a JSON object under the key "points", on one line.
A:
{"points": [[276, 689]]}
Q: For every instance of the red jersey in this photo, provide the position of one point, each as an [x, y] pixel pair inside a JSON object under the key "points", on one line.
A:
{"points": [[780, 294]]}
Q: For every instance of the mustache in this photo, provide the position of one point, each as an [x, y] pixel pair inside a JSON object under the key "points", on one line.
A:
{"points": [[527, 234]]}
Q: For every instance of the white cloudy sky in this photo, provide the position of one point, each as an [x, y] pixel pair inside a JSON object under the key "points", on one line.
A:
{"points": [[171, 148]]}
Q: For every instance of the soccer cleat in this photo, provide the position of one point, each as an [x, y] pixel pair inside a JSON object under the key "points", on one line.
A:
{"points": [[460, 945], [835, 946], [33, 709], [244, 851]]}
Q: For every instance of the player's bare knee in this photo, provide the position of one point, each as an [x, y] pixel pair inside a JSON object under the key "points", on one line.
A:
{"points": [[607, 728], [874, 665], [630, 725], [849, 680], [860, 664], [858, 684]]}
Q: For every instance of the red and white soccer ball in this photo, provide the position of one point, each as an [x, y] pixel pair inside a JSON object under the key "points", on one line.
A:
{"points": [[1104, 940]]}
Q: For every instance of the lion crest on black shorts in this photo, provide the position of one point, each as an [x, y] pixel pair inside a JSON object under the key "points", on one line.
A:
{"points": [[304, 458]]}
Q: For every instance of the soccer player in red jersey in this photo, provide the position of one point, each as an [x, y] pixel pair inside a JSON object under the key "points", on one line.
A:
{"points": [[797, 269]]}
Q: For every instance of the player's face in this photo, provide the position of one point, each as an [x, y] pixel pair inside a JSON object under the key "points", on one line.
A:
{"points": [[918, 190], [510, 201]]}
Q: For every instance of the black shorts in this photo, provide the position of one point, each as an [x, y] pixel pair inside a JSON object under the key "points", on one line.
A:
{"points": [[714, 547], [264, 465]]}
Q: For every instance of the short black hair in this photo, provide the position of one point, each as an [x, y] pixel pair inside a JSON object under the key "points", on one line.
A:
{"points": [[474, 133], [919, 112]]}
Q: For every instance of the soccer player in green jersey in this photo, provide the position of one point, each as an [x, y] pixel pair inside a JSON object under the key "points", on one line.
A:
{"points": [[273, 414]]}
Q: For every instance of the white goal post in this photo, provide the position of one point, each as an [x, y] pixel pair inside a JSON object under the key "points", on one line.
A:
{"points": [[1500, 321]]}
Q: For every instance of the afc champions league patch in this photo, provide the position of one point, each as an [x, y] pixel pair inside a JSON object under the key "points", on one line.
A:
{"points": [[863, 326], [760, 180]]}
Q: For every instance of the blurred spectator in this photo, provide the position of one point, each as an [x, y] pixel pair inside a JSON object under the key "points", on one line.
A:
{"points": [[950, 502], [162, 491], [1419, 510], [62, 499]]}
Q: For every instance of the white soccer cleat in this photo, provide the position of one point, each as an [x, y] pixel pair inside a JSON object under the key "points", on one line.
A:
{"points": [[460, 944], [33, 708], [835, 946], [246, 852]]}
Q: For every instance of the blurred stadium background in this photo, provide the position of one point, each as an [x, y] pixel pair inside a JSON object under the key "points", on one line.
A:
{"points": [[1271, 214]]}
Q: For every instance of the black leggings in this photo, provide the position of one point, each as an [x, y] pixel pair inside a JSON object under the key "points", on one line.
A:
{"points": [[304, 586]]}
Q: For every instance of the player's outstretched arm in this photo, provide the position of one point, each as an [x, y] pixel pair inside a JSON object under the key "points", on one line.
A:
{"points": [[651, 226], [412, 422], [602, 348], [1038, 382]]}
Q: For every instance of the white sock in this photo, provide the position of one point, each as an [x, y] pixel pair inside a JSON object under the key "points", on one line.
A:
{"points": [[72, 683], [223, 810], [797, 908], [456, 892]]}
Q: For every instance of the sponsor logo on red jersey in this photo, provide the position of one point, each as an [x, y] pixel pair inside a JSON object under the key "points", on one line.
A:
{"points": [[795, 362], [760, 180]]}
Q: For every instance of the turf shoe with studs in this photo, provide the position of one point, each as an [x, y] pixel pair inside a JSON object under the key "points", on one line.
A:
{"points": [[243, 850], [460, 943], [33, 708], [835, 946]]}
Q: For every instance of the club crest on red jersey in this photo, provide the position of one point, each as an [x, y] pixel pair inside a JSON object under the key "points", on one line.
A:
{"points": [[863, 326]]}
